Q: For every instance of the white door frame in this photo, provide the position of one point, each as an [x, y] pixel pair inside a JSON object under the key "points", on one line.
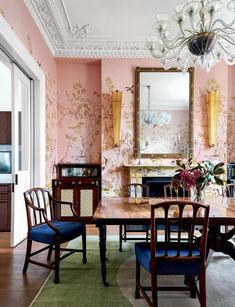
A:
{"points": [[10, 41]]}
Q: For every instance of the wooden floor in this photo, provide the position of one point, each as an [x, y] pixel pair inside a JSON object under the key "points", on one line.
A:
{"points": [[17, 289]]}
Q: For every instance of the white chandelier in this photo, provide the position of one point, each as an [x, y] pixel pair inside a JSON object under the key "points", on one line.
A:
{"points": [[202, 38]]}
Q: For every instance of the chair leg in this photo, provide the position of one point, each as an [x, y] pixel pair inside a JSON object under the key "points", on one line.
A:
{"points": [[137, 274], [27, 255], [125, 233], [84, 260], [49, 252], [202, 287], [147, 233], [154, 289], [57, 264], [120, 238]]}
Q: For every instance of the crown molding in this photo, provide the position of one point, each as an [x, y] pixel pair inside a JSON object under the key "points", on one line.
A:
{"points": [[67, 41], [104, 49]]}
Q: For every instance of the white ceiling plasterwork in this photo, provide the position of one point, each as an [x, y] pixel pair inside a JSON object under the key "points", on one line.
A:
{"points": [[67, 40], [115, 28]]}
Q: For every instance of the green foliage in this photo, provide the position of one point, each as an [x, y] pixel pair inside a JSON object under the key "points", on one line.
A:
{"points": [[197, 175]]}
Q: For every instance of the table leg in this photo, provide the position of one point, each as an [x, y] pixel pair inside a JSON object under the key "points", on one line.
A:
{"points": [[219, 242], [102, 244]]}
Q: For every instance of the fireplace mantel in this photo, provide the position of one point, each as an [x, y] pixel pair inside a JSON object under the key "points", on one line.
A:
{"points": [[137, 172]]}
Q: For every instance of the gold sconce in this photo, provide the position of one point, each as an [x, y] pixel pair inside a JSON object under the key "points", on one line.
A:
{"points": [[117, 107], [213, 99]]}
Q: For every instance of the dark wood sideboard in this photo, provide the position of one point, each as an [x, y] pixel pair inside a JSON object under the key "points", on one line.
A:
{"points": [[79, 184], [5, 207]]}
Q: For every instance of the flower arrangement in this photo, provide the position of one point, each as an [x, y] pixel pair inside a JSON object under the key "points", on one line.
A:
{"points": [[197, 176]]}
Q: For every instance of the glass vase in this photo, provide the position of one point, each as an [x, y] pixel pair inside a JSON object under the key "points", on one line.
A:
{"points": [[199, 195]]}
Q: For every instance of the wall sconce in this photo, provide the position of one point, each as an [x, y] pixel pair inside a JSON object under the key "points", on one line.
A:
{"points": [[117, 107], [213, 99]]}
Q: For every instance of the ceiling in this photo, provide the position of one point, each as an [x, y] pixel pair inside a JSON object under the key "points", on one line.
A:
{"points": [[114, 28]]}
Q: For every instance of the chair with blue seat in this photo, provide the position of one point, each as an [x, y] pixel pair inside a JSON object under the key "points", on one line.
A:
{"points": [[134, 190], [45, 226], [163, 256]]}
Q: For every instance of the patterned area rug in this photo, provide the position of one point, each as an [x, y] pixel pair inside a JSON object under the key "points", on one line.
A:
{"points": [[220, 284], [81, 283]]}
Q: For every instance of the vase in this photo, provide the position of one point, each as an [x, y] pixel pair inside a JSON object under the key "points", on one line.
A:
{"points": [[199, 195]]}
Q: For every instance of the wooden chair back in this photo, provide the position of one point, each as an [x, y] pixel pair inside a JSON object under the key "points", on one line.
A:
{"points": [[180, 214], [170, 192], [229, 190], [39, 206]]}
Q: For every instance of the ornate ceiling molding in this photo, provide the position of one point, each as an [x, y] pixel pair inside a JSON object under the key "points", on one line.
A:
{"points": [[70, 41]]}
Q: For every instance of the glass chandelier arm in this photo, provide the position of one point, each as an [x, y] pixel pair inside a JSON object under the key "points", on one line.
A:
{"points": [[225, 25], [180, 24], [202, 18], [210, 23], [225, 50], [166, 41], [192, 23], [178, 41], [229, 39], [225, 31]]}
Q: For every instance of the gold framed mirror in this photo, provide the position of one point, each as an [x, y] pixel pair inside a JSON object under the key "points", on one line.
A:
{"points": [[164, 112]]}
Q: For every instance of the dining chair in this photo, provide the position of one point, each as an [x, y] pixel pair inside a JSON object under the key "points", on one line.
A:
{"points": [[170, 192], [166, 257], [135, 190], [45, 226], [228, 190]]}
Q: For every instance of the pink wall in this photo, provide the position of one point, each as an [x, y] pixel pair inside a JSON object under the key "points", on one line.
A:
{"points": [[119, 74], [84, 110], [231, 114], [79, 110], [17, 15]]}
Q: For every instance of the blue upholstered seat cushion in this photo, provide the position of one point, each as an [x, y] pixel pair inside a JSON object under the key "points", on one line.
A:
{"points": [[137, 227], [164, 267], [68, 231]]}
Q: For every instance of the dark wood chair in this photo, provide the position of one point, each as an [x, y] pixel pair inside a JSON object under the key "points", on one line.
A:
{"points": [[167, 257], [134, 190], [170, 192], [44, 226], [228, 190]]}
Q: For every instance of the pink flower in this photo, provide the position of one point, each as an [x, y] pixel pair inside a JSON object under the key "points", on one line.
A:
{"points": [[189, 178]]}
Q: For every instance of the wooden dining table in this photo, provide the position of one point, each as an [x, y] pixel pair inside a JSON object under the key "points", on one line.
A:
{"points": [[133, 211]]}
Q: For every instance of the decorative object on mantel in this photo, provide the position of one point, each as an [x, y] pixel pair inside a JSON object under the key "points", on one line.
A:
{"points": [[203, 38], [197, 176], [117, 107], [213, 100]]}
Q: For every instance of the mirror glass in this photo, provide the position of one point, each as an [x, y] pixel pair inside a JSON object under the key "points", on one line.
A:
{"points": [[164, 112]]}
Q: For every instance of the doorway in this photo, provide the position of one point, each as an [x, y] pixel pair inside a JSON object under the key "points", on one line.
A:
{"points": [[27, 148], [15, 145]]}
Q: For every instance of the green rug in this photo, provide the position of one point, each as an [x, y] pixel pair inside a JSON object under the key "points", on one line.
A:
{"points": [[80, 284]]}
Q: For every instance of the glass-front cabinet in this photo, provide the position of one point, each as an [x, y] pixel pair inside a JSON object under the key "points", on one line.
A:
{"points": [[79, 184]]}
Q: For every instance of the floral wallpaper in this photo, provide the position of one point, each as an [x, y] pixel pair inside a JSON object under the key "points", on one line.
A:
{"points": [[51, 128], [231, 130], [79, 107], [79, 125], [113, 158]]}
